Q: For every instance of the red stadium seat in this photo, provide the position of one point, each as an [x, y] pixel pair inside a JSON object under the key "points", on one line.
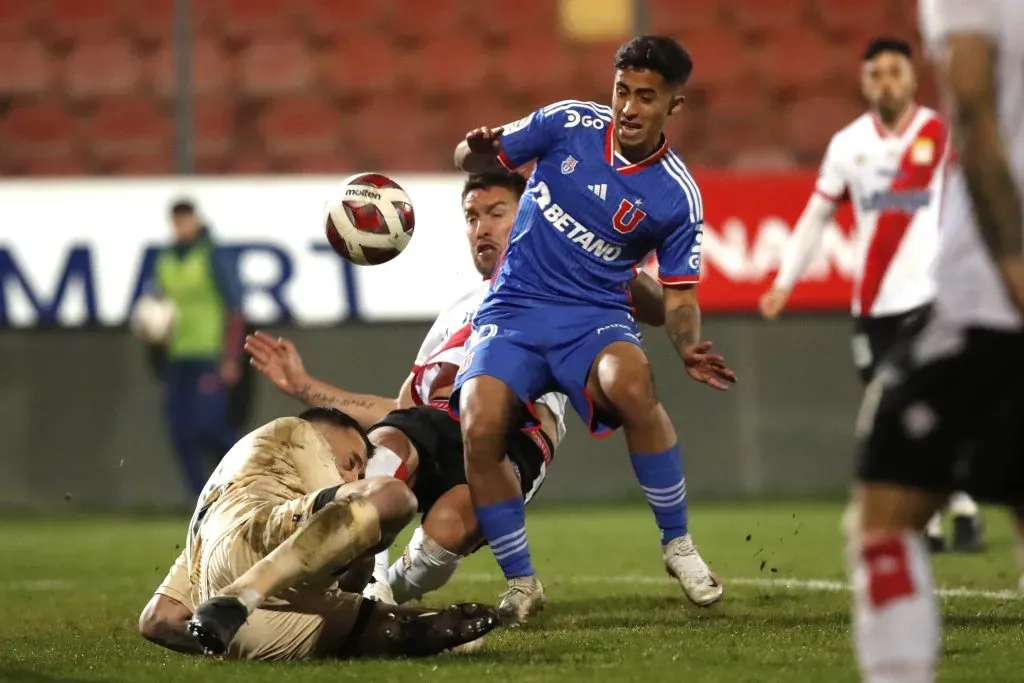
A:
{"points": [[78, 19], [303, 125], [248, 164], [64, 166], [370, 65], [596, 65], [246, 19], [811, 121], [757, 16], [460, 119], [843, 16], [211, 68], [537, 61], [216, 123], [669, 17], [420, 19], [37, 131], [103, 67], [321, 164], [129, 128], [19, 18], [275, 66], [343, 20], [764, 159], [160, 164], [394, 132], [505, 19], [153, 20], [442, 68], [26, 67], [720, 59], [741, 119], [796, 58]]}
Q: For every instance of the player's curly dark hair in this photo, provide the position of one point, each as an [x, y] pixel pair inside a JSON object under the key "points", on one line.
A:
{"points": [[656, 53], [337, 418], [887, 44], [511, 181]]}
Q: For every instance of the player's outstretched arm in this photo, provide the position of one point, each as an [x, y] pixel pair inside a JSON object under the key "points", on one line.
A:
{"points": [[648, 299], [479, 151], [682, 319], [279, 360], [799, 249], [968, 75]]}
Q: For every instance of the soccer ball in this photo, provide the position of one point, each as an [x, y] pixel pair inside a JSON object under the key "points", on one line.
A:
{"points": [[153, 319], [372, 220]]}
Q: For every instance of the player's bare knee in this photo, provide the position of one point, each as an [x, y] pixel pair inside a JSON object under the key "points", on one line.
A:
{"points": [[452, 522], [633, 399], [395, 504]]}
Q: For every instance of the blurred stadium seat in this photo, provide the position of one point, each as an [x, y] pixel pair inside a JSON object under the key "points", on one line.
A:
{"points": [[216, 127], [720, 58], [540, 61], [19, 18], [247, 19], [858, 17], [301, 125], [27, 69], [370, 65], [212, 68], [435, 19], [102, 67], [79, 19], [812, 121], [667, 17], [127, 128], [442, 68], [153, 20], [341, 20], [38, 131], [759, 16], [275, 66], [502, 20], [794, 59]]}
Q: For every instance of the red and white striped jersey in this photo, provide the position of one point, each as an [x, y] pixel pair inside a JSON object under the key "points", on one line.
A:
{"points": [[445, 345], [971, 290], [893, 180]]}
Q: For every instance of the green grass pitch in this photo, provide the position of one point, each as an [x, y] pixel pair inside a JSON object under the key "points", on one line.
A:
{"points": [[71, 591]]}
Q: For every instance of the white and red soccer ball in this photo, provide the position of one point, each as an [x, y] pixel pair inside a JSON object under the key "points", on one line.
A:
{"points": [[371, 221]]}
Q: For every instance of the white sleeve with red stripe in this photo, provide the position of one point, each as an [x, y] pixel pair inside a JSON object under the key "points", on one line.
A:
{"points": [[832, 184]]}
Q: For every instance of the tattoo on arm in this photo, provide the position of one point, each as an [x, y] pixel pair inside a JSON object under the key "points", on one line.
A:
{"points": [[321, 399], [683, 324]]}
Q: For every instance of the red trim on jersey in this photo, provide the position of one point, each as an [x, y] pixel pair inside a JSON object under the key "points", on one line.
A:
{"points": [[609, 153], [602, 433], [457, 339], [901, 126], [671, 280], [844, 197], [892, 224], [505, 161]]}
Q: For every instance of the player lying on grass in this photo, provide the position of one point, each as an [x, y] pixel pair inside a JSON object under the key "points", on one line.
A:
{"points": [[415, 437], [283, 527], [605, 192]]}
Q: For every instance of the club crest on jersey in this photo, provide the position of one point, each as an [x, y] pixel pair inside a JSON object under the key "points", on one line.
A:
{"points": [[922, 152], [628, 216], [569, 165]]}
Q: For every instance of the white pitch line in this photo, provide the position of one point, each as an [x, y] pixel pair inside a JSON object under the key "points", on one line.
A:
{"points": [[805, 585]]}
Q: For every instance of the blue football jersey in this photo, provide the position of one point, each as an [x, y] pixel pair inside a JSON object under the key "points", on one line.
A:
{"points": [[589, 217]]}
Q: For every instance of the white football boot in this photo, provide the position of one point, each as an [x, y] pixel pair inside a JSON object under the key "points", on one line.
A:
{"points": [[699, 583], [523, 598]]}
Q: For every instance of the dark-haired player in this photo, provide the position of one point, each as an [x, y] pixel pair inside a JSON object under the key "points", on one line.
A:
{"points": [[282, 521], [605, 192], [417, 440], [889, 163], [947, 415]]}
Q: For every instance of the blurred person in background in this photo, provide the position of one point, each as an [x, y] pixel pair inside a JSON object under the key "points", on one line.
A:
{"points": [[202, 356], [889, 163]]}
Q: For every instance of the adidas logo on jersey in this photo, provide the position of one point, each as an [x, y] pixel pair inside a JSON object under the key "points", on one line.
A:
{"points": [[599, 190]]}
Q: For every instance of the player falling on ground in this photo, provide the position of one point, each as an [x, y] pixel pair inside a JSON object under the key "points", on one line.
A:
{"points": [[889, 163], [947, 411], [606, 191], [282, 521], [420, 442]]}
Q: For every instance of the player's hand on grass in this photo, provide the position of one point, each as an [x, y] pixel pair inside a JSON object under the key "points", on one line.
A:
{"points": [[279, 360], [772, 302], [484, 140], [708, 368]]}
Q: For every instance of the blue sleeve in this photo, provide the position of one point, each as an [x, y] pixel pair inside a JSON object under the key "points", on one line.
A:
{"points": [[528, 138], [225, 274], [679, 251]]}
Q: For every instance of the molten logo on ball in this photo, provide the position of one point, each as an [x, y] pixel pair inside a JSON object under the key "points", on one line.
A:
{"points": [[372, 222]]}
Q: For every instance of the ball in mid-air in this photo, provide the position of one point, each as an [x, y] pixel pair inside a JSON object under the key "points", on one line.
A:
{"points": [[153, 319], [372, 220]]}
